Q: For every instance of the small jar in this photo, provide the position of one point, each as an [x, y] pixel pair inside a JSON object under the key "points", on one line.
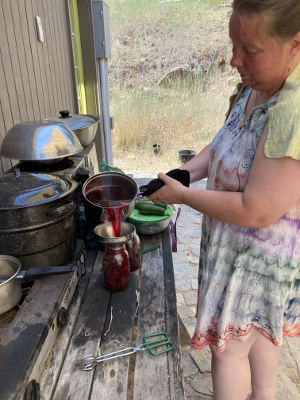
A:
{"points": [[116, 267], [134, 250]]}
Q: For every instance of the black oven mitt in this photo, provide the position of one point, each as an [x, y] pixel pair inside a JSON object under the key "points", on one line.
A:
{"points": [[181, 175]]}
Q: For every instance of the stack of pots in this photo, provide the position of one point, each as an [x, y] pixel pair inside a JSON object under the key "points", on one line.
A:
{"points": [[37, 218], [37, 211]]}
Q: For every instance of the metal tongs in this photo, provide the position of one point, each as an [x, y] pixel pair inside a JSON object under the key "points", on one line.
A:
{"points": [[89, 362]]}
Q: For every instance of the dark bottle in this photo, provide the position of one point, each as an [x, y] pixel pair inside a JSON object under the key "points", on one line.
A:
{"points": [[116, 267], [134, 250]]}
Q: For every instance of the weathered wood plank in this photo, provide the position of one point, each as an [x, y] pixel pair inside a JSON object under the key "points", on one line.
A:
{"points": [[6, 112], [21, 341], [44, 68], [151, 373], [70, 62], [12, 98], [50, 373], [74, 383], [56, 49], [19, 54], [6, 164], [28, 60], [13, 54], [62, 22], [174, 356], [111, 377], [53, 77], [59, 45], [46, 46], [39, 74]]}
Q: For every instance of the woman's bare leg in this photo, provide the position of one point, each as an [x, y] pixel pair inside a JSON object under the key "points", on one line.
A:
{"points": [[264, 361], [231, 369]]}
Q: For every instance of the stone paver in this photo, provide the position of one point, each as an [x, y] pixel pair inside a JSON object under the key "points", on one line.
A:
{"points": [[195, 284], [184, 271], [196, 363], [182, 285], [180, 257], [180, 299], [190, 298], [186, 312]]}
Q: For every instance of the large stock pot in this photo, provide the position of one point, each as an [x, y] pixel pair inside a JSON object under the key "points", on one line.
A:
{"points": [[37, 218]]}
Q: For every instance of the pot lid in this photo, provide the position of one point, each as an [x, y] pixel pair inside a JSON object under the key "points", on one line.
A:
{"points": [[24, 189], [39, 141], [75, 121]]}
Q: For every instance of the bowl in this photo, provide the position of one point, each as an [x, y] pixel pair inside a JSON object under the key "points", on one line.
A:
{"points": [[43, 141], [84, 126], [186, 155], [150, 224]]}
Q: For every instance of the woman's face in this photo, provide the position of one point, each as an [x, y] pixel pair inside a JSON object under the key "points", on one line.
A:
{"points": [[261, 60]]}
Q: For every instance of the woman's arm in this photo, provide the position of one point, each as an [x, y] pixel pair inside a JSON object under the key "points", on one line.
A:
{"points": [[198, 166], [272, 189]]}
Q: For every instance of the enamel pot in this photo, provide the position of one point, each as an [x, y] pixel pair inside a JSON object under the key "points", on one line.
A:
{"points": [[11, 279]]}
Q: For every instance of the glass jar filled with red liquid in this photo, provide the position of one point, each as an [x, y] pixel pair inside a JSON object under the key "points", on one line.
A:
{"points": [[134, 250], [116, 267]]}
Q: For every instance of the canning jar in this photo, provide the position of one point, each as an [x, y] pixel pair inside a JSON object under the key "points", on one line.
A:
{"points": [[134, 250], [116, 267]]}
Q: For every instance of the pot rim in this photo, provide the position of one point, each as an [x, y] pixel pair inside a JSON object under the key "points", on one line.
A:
{"points": [[107, 173], [61, 120], [17, 262], [73, 184]]}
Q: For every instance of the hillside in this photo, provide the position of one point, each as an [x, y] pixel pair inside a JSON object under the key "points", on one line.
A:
{"points": [[146, 45]]}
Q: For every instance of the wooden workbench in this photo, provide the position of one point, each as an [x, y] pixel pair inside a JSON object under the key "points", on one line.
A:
{"points": [[109, 321]]}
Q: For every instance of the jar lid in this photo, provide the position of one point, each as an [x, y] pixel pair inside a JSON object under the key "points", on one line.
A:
{"points": [[24, 189], [75, 121]]}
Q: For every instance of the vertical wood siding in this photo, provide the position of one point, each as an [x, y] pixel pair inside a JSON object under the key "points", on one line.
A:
{"points": [[36, 78]]}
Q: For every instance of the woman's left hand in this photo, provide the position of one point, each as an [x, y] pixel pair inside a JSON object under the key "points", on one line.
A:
{"points": [[170, 193]]}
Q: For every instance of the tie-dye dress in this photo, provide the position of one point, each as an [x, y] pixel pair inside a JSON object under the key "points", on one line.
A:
{"points": [[248, 278]]}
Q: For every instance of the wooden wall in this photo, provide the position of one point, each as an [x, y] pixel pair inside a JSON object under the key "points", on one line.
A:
{"points": [[37, 79]]}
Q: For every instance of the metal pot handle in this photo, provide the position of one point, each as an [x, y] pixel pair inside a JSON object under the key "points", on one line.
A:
{"points": [[32, 273], [57, 212]]}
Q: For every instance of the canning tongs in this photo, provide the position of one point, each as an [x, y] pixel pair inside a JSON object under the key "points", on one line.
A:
{"points": [[89, 361]]}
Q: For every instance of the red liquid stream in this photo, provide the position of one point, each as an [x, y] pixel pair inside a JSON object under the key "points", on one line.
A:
{"points": [[115, 215], [114, 206]]}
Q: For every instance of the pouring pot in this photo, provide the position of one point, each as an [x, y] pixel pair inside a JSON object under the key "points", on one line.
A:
{"points": [[110, 187], [11, 279]]}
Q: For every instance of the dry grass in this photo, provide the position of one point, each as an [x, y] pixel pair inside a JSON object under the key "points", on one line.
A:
{"points": [[149, 38]]}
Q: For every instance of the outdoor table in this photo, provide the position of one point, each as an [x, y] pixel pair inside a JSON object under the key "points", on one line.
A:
{"points": [[109, 321]]}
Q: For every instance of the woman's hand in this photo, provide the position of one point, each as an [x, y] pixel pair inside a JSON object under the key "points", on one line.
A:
{"points": [[170, 193]]}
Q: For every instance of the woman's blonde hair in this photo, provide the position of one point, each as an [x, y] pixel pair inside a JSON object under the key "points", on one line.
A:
{"points": [[282, 16]]}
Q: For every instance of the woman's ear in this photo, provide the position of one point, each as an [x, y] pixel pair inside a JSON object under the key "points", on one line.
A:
{"points": [[295, 46]]}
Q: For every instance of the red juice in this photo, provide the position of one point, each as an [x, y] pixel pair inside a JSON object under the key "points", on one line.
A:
{"points": [[115, 216], [116, 268], [113, 198]]}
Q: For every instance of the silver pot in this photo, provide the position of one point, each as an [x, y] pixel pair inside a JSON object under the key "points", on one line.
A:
{"points": [[37, 218], [11, 279], [112, 187], [45, 142], [84, 126]]}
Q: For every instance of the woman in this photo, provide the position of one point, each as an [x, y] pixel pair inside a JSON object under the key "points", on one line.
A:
{"points": [[249, 272]]}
